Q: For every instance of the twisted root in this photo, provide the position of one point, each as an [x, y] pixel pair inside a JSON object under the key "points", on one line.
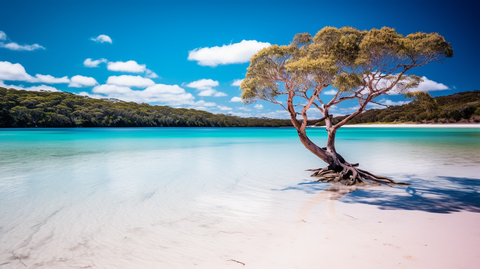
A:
{"points": [[350, 175]]}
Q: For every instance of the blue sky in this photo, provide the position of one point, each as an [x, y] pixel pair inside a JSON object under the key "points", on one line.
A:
{"points": [[164, 52]]}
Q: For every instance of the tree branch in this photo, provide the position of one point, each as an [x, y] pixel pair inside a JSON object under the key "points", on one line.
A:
{"points": [[315, 93], [291, 110]]}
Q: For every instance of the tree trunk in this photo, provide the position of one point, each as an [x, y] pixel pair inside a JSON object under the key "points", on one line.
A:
{"points": [[336, 164], [319, 152], [338, 169]]}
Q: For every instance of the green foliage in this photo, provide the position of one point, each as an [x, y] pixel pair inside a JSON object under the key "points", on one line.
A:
{"points": [[427, 45], [345, 82], [424, 99], [302, 39], [62, 109], [346, 58], [464, 106]]}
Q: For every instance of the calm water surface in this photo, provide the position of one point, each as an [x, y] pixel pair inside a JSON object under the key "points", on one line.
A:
{"points": [[179, 197]]}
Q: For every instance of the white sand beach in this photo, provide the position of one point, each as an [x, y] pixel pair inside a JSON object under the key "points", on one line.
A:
{"points": [[331, 234], [334, 234]]}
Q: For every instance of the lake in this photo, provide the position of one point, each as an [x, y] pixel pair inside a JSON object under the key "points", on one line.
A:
{"points": [[197, 197]]}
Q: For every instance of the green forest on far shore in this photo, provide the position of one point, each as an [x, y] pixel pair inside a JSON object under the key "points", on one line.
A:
{"points": [[20, 108], [463, 107]]}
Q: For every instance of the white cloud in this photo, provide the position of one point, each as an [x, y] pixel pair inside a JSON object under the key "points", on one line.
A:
{"points": [[111, 89], [130, 81], [102, 39], [211, 92], [224, 108], [16, 72], [158, 93], [15, 46], [33, 88], [330, 92], [205, 87], [96, 96], [226, 54], [81, 81], [50, 79], [425, 86], [203, 84], [236, 99], [314, 113], [242, 114], [89, 63], [245, 108], [3, 85], [277, 114], [237, 82], [202, 105], [393, 103], [42, 87], [128, 66], [150, 74], [258, 106], [9, 71], [429, 85], [346, 110], [386, 102]]}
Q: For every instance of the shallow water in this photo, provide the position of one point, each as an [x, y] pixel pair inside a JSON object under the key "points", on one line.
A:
{"points": [[180, 197]]}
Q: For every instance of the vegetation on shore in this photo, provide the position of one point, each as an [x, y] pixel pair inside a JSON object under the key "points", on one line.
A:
{"points": [[462, 107], [20, 108]]}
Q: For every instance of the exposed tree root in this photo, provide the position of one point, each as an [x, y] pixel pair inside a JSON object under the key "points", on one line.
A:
{"points": [[350, 175]]}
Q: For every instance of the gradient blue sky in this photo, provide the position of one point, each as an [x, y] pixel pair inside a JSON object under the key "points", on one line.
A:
{"points": [[159, 36]]}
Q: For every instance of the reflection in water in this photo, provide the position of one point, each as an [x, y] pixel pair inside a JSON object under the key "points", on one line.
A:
{"points": [[329, 195]]}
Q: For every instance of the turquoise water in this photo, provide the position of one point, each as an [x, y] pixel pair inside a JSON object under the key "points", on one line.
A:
{"points": [[173, 197]]}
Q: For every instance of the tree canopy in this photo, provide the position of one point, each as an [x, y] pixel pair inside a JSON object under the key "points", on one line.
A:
{"points": [[358, 64]]}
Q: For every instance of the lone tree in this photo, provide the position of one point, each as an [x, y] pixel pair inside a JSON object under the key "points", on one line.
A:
{"points": [[359, 65]]}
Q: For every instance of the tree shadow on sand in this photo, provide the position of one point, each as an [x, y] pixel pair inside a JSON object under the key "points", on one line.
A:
{"points": [[437, 195]]}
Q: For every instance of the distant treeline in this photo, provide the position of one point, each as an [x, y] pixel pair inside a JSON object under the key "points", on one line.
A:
{"points": [[19, 108], [463, 107]]}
